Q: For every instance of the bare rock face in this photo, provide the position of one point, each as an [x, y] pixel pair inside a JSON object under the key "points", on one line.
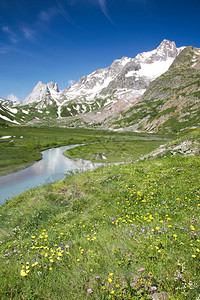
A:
{"points": [[165, 51], [42, 92]]}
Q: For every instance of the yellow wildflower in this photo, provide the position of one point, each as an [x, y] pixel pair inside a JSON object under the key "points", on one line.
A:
{"points": [[23, 273]]}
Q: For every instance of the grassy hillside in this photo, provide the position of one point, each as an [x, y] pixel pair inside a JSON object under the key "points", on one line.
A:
{"points": [[120, 232]]}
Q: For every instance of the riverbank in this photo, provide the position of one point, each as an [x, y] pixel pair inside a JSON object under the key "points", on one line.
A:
{"points": [[24, 145], [51, 168], [119, 232]]}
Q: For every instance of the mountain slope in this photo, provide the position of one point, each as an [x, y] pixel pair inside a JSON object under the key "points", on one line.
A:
{"points": [[15, 113], [171, 102], [117, 87]]}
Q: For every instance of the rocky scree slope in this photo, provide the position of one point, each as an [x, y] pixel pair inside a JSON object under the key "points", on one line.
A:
{"points": [[186, 143], [171, 102]]}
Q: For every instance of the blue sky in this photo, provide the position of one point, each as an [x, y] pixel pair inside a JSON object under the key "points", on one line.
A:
{"points": [[63, 40]]}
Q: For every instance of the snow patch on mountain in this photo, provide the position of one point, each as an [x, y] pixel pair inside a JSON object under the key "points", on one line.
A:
{"points": [[25, 111], [13, 110], [9, 120], [5, 137], [153, 70]]}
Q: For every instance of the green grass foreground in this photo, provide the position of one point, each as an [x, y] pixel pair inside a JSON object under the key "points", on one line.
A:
{"points": [[119, 232]]}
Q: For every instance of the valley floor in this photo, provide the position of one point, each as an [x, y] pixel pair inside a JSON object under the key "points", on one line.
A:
{"points": [[20, 146]]}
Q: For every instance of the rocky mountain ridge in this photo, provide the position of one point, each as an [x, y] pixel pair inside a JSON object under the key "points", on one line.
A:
{"points": [[8, 102], [43, 92], [124, 80], [131, 74]]}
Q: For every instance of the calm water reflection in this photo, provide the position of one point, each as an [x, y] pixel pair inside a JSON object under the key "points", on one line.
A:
{"points": [[51, 168]]}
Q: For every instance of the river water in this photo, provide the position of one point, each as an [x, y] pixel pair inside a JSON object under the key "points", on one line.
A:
{"points": [[51, 168]]}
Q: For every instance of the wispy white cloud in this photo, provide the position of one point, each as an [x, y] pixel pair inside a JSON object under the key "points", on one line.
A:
{"points": [[12, 97], [14, 40], [11, 34], [71, 81], [47, 15], [29, 34], [64, 13], [5, 29], [5, 48], [103, 7]]}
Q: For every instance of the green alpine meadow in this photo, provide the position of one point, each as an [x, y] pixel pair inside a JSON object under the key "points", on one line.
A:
{"points": [[128, 231]]}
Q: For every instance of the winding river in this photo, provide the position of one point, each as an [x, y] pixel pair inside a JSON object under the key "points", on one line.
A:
{"points": [[51, 168]]}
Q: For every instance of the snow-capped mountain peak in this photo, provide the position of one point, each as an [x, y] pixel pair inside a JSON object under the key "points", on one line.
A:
{"points": [[166, 50], [156, 62], [127, 77]]}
